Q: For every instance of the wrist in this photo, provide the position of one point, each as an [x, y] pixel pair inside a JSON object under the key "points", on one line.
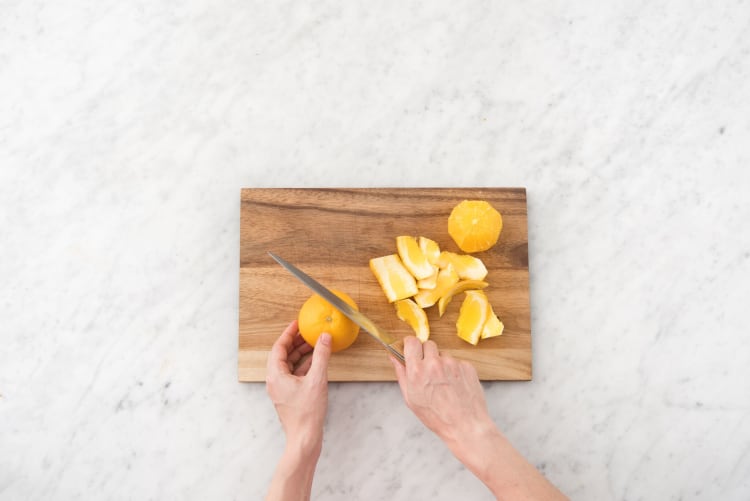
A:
{"points": [[293, 477], [470, 434], [304, 446], [477, 445]]}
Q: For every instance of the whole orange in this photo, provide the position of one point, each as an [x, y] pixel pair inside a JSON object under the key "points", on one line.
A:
{"points": [[475, 225], [318, 316]]}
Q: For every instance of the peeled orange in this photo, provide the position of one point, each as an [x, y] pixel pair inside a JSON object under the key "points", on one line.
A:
{"points": [[318, 316], [475, 225]]}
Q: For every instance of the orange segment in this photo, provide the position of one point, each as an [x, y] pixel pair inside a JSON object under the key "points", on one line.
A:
{"points": [[458, 288], [473, 315], [467, 267], [493, 326], [429, 282], [318, 316], [412, 257], [408, 311], [396, 281], [430, 249], [445, 280], [475, 225]]}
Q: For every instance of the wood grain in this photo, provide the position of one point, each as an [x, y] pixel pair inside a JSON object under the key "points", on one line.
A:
{"points": [[331, 234]]}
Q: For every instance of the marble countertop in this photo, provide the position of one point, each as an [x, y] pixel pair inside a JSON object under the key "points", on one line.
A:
{"points": [[128, 128]]}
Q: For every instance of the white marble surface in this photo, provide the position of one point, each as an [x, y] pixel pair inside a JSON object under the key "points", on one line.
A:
{"points": [[128, 128]]}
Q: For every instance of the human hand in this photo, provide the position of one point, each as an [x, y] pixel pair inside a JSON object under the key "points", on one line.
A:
{"points": [[444, 393], [300, 394]]}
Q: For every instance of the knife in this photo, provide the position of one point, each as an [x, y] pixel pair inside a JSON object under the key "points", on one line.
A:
{"points": [[383, 337]]}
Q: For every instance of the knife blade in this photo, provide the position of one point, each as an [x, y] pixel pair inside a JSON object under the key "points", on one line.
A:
{"points": [[383, 337]]}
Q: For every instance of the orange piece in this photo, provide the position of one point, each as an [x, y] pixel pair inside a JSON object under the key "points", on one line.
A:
{"points": [[473, 315], [413, 257], [408, 311], [493, 326], [396, 281], [446, 278], [318, 316], [475, 225], [458, 288], [430, 249], [431, 281], [467, 267]]}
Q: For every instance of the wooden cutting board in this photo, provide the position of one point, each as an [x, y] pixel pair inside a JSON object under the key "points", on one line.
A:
{"points": [[331, 234]]}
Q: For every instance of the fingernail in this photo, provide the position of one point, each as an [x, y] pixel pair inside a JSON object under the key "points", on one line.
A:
{"points": [[325, 339]]}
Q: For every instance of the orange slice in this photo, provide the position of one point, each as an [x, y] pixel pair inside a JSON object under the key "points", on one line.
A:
{"points": [[396, 281], [475, 225], [412, 257], [430, 249], [467, 267], [473, 315], [446, 278], [408, 311], [493, 326], [429, 282], [458, 288]]}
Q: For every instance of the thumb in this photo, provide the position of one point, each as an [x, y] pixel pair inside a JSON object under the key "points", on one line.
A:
{"points": [[321, 355]]}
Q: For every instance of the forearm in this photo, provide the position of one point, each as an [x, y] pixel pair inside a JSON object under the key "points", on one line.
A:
{"points": [[494, 460], [292, 480]]}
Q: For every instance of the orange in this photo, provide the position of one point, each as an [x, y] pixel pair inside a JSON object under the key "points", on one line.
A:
{"points": [[467, 267], [430, 249], [408, 311], [473, 315], [413, 257], [446, 279], [395, 280], [318, 316], [493, 326], [431, 281], [475, 225], [458, 288]]}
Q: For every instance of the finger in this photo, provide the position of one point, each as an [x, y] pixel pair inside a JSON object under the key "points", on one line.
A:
{"points": [[412, 350], [469, 372], [298, 340], [278, 358], [321, 355], [303, 367], [400, 375], [430, 349], [298, 352], [292, 329]]}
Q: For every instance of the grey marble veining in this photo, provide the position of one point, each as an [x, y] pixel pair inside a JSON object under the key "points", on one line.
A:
{"points": [[128, 128]]}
